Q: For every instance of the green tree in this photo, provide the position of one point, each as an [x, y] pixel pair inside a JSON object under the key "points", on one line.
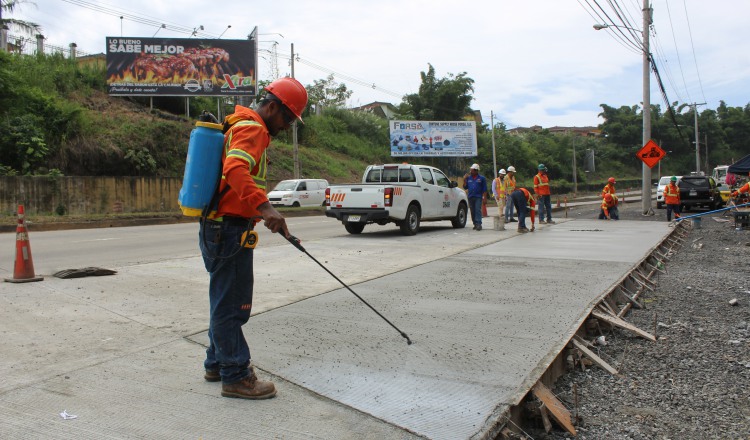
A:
{"points": [[327, 93], [443, 99]]}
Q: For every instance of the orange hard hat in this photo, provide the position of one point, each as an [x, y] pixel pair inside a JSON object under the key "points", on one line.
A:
{"points": [[611, 180], [608, 197], [291, 93]]}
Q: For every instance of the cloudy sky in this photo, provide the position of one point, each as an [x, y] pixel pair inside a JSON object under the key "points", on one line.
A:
{"points": [[534, 62]]}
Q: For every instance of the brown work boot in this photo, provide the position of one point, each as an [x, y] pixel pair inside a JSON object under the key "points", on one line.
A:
{"points": [[212, 376], [249, 388]]}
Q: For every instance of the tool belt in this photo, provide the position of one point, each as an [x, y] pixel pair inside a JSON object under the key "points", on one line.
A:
{"points": [[249, 238]]}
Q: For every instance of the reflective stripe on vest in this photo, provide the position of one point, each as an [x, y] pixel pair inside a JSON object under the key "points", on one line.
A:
{"points": [[499, 186], [670, 193], [539, 182], [529, 198], [260, 177]]}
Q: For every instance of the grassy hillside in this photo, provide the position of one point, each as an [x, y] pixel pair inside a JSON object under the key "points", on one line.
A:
{"points": [[57, 119]]}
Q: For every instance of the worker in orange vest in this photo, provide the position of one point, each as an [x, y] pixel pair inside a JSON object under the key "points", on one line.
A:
{"points": [[745, 189], [672, 198], [609, 208], [542, 191], [524, 202], [609, 188], [498, 190], [510, 185]]}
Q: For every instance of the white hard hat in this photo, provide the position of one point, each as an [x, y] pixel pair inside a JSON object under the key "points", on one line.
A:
{"points": [[502, 171], [475, 166], [511, 169]]}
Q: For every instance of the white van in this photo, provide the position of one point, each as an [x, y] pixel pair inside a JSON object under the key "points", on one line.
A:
{"points": [[299, 192]]}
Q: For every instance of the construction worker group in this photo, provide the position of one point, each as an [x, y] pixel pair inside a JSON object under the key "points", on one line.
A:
{"points": [[523, 201]]}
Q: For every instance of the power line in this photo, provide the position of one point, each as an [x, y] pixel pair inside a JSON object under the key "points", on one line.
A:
{"points": [[677, 52], [620, 39], [124, 15], [690, 31]]}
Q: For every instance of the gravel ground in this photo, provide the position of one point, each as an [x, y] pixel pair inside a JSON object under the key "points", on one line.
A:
{"points": [[693, 382]]}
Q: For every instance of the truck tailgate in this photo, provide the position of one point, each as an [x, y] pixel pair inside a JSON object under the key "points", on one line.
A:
{"points": [[357, 196]]}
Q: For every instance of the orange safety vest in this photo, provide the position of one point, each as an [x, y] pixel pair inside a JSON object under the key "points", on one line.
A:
{"points": [[530, 204], [608, 189], [500, 186], [541, 184], [672, 194], [606, 206], [509, 183]]}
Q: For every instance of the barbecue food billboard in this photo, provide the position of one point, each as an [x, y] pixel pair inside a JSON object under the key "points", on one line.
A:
{"points": [[181, 67]]}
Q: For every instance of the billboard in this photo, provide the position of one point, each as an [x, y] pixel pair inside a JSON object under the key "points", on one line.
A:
{"points": [[433, 138], [181, 67]]}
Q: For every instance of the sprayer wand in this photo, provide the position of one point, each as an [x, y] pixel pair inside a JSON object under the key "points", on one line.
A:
{"points": [[296, 242]]}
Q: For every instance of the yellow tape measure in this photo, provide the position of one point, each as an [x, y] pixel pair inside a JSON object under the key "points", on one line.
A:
{"points": [[249, 239]]}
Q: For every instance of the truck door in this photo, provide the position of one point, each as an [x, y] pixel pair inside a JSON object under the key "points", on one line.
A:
{"points": [[431, 196], [448, 199]]}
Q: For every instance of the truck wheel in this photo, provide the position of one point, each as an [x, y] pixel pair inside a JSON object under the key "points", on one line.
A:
{"points": [[295, 205], [459, 221], [410, 225], [658, 205], [354, 228]]}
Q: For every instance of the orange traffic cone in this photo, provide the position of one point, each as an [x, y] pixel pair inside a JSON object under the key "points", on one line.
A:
{"points": [[484, 208], [24, 269]]}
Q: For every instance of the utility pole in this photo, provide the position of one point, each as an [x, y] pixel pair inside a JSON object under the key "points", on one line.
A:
{"points": [[705, 144], [697, 142], [646, 177], [294, 132], [575, 172], [494, 156]]}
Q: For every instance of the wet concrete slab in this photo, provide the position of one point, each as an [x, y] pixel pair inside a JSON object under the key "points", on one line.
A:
{"points": [[485, 324]]}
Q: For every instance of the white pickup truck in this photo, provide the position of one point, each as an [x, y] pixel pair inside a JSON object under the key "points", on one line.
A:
{"points": [[399, 193]]}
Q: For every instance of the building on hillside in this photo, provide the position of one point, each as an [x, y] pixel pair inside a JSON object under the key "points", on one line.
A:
{"points": [[388, 111], [383, 109], [475, 116], [557, 130], [98, 61]]}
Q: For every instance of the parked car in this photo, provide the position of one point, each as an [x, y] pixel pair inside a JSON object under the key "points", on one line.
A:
{"points": [[697, 190], [299, 192], [663, 182]]}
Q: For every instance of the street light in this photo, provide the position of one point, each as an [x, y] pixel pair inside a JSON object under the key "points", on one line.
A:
{"points": [[646, 171], [225, 31], [163, 26]]}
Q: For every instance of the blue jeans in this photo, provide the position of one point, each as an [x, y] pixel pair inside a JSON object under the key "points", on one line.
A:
{"points": [[475, 206], [671, 209], [230, 295], [508, 207], [545, 204], [519, 200]]}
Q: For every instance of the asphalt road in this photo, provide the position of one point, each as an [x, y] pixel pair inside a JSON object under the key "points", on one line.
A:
{"points": [[124, 246]]}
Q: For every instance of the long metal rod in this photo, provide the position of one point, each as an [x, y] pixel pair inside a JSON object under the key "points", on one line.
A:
{"points": [[711, 212], [296, 242]]}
